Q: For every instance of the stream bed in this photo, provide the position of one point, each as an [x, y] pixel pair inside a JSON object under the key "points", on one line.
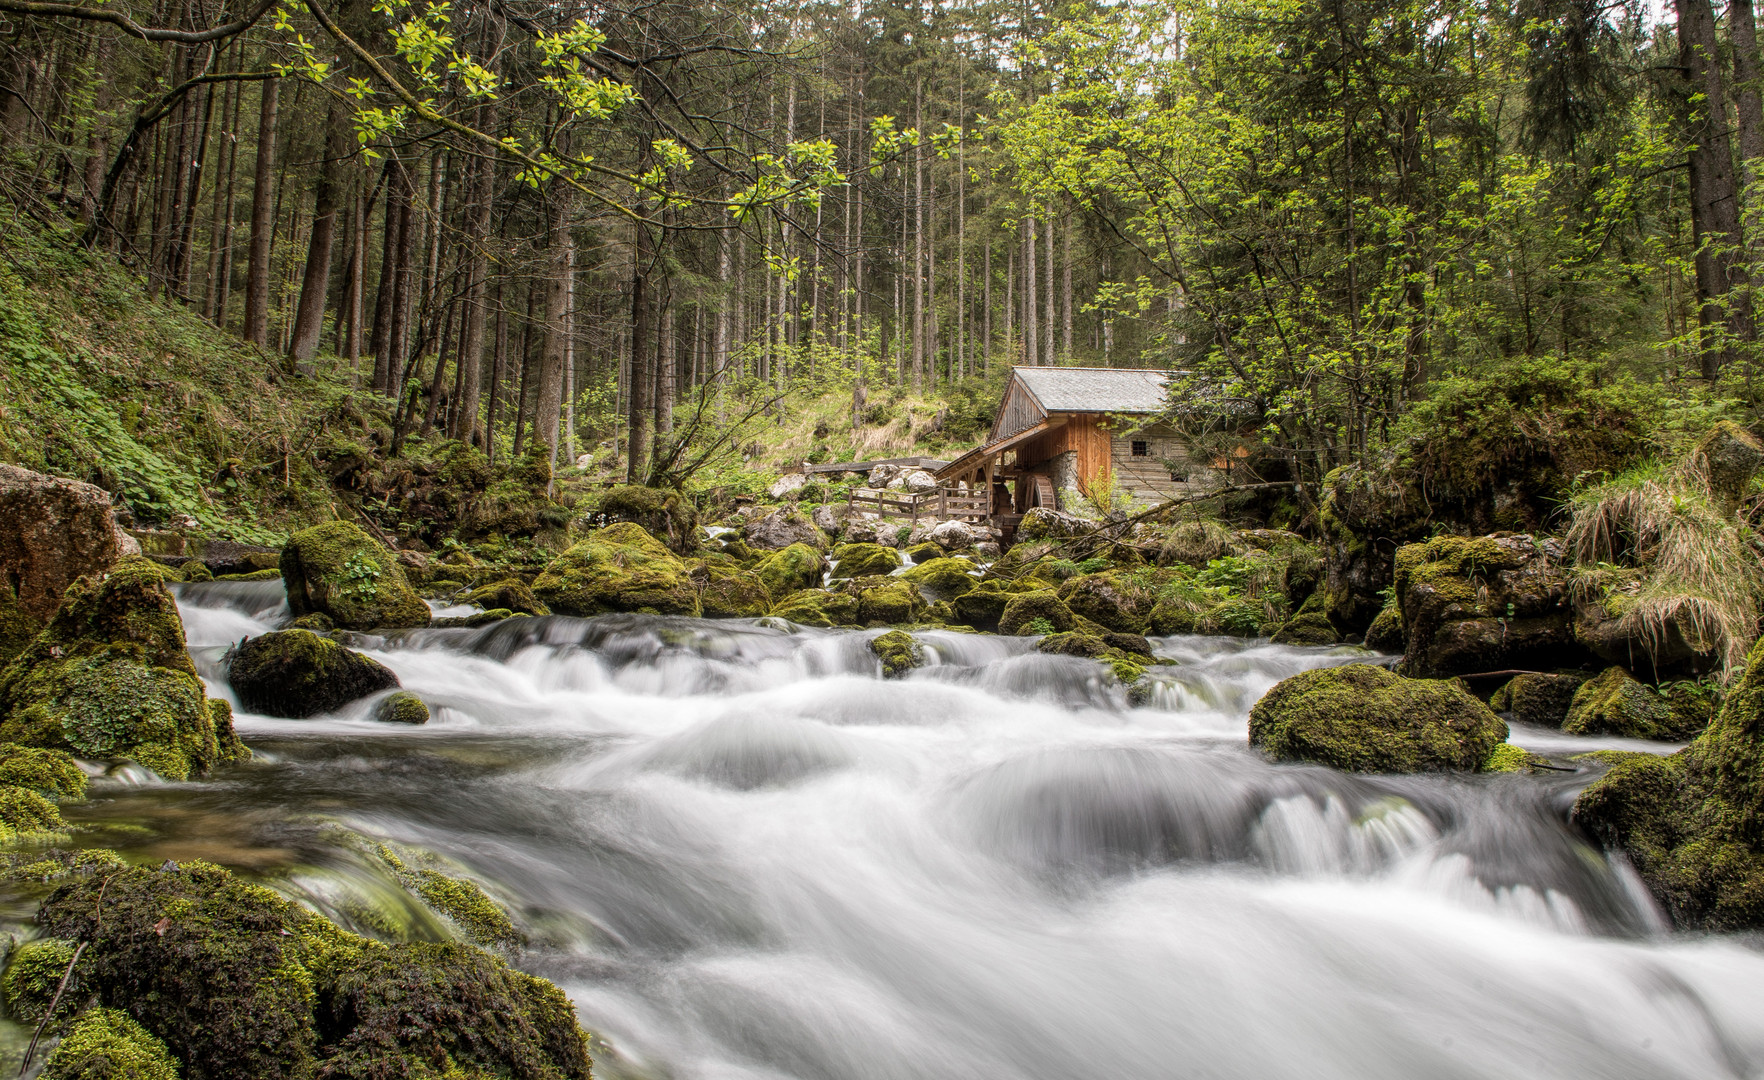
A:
{"points": [[745, 856]]}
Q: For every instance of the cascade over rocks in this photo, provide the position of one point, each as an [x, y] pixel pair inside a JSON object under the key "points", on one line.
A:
{"points": [[618, 568], [1693, 823], [337, 569], [297, 674], [52, 533], [1360, 718], [898, 652], [109, 677], [1474, 604]]}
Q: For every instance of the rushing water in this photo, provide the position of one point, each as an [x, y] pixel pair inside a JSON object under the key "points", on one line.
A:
{"points": [[744, 855]]}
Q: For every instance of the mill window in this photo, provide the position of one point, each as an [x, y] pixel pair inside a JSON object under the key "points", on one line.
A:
{"points": [[1141, 448]]}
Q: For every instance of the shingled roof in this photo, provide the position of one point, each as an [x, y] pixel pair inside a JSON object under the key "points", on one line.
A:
{"points": [[1095, 389]]}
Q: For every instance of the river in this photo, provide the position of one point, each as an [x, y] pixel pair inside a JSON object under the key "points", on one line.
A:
{"points": [[745, 856]]}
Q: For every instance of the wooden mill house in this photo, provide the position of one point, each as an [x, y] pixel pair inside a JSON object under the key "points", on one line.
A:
{"points": [[1061, 428]]}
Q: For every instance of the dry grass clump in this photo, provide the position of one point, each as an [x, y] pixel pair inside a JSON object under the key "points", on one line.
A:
{"points": [[1656, 545]]}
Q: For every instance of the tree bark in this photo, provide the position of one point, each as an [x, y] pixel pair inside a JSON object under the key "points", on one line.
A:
{"points": [[263, 221], [328, 194], [640, 419], [548, 404]]}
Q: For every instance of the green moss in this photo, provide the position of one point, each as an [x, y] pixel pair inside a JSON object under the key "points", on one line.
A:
{"points": [[726, 591], [860, 560], [895, 603], [795, 567], [618, 568], [925, 552], [316, 621], [38, 867], [402, 707], [509, 594], [297, 673], [1127, 671], [1361, 718], [1538, 697], [1507, 758], [1024, 608], [51, 773], [240, 982], [107, 1044], [196, 570], [1386, 632], [481, 919], [1073, 644], [947, 578], [898, 652], [1616, 703], [345, 573], [33, 971], [270, 574], [984, 605], [1311, 629], [662, 514], [818, 607]]}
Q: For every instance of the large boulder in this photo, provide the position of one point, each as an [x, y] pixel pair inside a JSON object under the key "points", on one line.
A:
{"points": [[830, 518], [1367, 512], [1693, 823], [1039, 612], [666, 515], [795, 567], [726, 591], [52, 533], [1728, 457], [109, 677], [818, 607], [296, 673], [1110, 599], [618, 568], [944, 578], [919, 482], [508, 594], [786, 485], [1616, 703], [1360, 718], [1538, 697], [983, 606], [953, 535], [337, 569], [898, 653], [861, 560], [239, 982], [885, 601], [1484, 603], [1044, 523], [1604, 626], [781, 528]]}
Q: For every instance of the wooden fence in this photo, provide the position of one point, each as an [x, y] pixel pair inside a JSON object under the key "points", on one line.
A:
{"points": [[944, 504]]}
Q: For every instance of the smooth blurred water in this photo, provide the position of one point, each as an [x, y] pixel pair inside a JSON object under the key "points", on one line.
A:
{"points": [[745, 855]]}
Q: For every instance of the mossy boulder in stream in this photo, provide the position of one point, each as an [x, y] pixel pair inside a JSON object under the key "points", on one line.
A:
{"points": [[239, 982], [109, 677], [795, 567], [107, 1044], [898, 652], [983, 606], [345, 573], [860, 560], [1538, 697], [945, 578], [1308, 628], [510, 594], [1108, 599], [1361, 718], [727, 591], [618, 568], [297, 673], [663, 514], [1482, 603], [886, 601], [1616, 703], [818, 607], [1039, 612]]}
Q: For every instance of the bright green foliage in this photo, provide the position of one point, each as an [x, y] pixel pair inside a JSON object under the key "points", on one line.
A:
{"points": [[1507, 758], [107, 1044], [618, 568], [1360, 718], [33, 970], [347, 574], [109, 677]]}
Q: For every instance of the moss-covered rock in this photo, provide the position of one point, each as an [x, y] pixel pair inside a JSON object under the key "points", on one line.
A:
{"points": [[474, 620], [195, 570], [1312, 628], [1111, 600], [1173, 616], [727, 591], [1386, 634], [1616, 703], [1484, 603], [109, 677], [33, 971], [511, 594], [781, 528], [818, 607], [1728, 457], [795, 567], [860, 560], [53, 532], [1073, 643], [1507, 758], [1361, 718], [944, 578], [1538, 697], [462, 901], [984, 605], [50, 773], [924, 552], [618, 568], [898, 652], [886, 602], [316, 621], [1041, 608], [268, 574], [663, 514], [402, 707], [297, 673], [107, 1044], [1364, 510], [240, 982], [345, 573]]}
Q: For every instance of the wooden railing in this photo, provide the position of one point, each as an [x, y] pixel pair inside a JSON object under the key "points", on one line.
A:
{"points": [[944, 504]]}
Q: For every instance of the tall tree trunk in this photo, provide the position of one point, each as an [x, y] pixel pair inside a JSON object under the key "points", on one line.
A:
{"points": [[918, 211], [1048, 356], [498, 374], [548, 405], [263, 220], [640, 415], [1066, 283], [1747, 78], [477, 263], [985, 350], [391, 243], [328, 195], [1031, 330], [220, 242]]}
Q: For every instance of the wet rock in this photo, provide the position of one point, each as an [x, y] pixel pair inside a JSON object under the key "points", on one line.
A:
{"points": [[195, 571], [239, 982], [109, 678], [1386, 634], [865, 530], [1693, 823], [297, 674], [1039, 612], [511, 594], [1616, 703], [854, 560], [727, 591], [818, 607], [953, 535], [885, 601], [52, 532], [316, 621], [924, 551], [1664, 648], [1538, 697], [666, 515], [984, 605], [1728, 457], [345, 573], [1361, 718], [402, 707], [472, 621], [1043, 523], [1310, 628], [798, 566], [781, 528], [945, 578], [1110, 600], [898, 652], [618, 568], [1483, 603], [1366, 511]]}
